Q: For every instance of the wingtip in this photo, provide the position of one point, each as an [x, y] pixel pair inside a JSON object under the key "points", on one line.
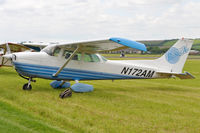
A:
{"points": [[129, 43]]}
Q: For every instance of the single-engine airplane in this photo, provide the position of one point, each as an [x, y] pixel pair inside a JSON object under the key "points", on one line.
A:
{"points": [[80, 61], [7, 48]]}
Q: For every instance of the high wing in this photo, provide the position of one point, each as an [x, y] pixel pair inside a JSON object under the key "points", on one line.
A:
{"points": [[14, 47], [111, 44], [36, 46]]}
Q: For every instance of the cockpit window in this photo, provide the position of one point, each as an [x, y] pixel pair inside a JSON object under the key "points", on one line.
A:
{"points": [[52, 50], [91, 58], [49, 50], [103, 58], [87, 58], [67, 54], [56, 51], [95, 58]]}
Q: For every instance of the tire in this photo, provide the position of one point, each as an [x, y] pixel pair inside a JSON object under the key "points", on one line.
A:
{"points": [[26, 87], [66, 93]]}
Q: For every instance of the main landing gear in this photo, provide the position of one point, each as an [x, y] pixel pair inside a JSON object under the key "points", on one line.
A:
{"points": [[27, 86]]}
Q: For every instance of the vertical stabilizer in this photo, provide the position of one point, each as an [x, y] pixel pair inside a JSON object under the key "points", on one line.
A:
{"points": [[174, 59]]}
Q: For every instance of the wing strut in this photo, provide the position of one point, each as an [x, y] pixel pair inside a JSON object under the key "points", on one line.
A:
{"points": [[71, 56]]}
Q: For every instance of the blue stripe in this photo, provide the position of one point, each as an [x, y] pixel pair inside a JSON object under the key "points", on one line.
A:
{"points": [[49, 73], [69, 72], [66, 73]]}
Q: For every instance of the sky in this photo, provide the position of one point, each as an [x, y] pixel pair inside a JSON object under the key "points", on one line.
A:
{"points": [[77, 20]]}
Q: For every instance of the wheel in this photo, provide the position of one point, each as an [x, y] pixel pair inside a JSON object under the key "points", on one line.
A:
{"points": [[66, 93], [26, 87]]}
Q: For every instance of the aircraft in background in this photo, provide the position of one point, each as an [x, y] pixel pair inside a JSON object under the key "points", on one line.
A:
{"points": [[81, 61], [8, 48]]}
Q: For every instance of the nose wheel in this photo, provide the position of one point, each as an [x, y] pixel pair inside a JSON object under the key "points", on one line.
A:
{"points": [[27, 86]]}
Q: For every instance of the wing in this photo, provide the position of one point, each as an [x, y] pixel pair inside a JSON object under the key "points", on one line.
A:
{"points": [[14, 47], [111, 44], [35, 46], [94, 47]]}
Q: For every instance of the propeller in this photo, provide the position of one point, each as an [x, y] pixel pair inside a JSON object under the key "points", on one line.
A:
{"points": [[6, 54]]}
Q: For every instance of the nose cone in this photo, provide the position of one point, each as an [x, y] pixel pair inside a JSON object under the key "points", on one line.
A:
{"points": [[8, 56]]}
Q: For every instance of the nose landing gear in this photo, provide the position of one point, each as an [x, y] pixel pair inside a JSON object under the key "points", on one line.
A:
{"points": [[27, 86]]}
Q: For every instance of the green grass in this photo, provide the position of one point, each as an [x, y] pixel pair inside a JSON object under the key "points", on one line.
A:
{"points": [[153, 42], [169, 43], [196, 41], [164, 105]]}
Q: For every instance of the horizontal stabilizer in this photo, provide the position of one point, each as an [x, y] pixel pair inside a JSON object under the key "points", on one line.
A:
{"points": [[185, 75]]}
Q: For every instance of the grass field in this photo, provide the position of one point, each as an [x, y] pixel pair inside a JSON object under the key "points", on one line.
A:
{"points": [[164, 105]]}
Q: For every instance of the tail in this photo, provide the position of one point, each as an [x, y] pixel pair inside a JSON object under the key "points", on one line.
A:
{"points": [[174, 59]]}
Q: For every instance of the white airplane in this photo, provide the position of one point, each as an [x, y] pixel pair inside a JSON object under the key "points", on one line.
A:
{"points": [[7, 48], [80, 61]]}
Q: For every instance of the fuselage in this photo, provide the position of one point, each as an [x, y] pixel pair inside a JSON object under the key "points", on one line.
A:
{"points": [[43, 65]]}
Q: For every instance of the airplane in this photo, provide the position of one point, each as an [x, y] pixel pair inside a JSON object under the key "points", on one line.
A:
{"points": [[7, 48], [10, 47], [81, 61]]}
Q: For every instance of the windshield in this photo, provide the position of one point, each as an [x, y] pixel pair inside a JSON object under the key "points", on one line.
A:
{"points": [[91, 58], [49, 49], [102, 57]]}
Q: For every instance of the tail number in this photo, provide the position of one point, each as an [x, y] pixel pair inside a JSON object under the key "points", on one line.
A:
{"points": [[138, 72]]}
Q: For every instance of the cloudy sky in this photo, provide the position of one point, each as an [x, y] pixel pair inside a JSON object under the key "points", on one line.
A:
{"points": [[76, 20]]}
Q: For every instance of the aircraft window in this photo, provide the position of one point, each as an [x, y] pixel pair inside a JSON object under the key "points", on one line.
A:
{"points": [[77, 57], [56, 51], [87, 58], [103, 58], [49, 50], [95, 58], [91, 58], [67, 54]]}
